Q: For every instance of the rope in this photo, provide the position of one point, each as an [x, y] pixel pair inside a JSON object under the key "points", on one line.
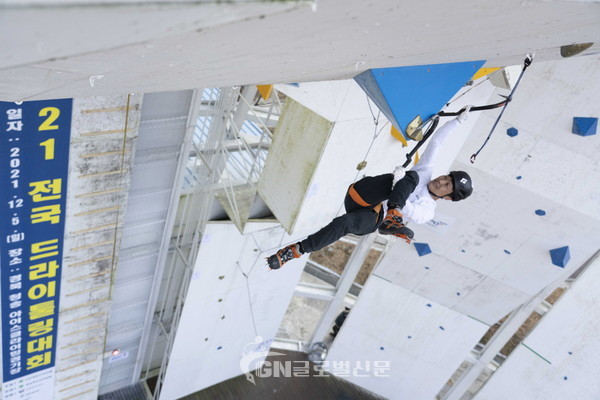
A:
{"points": [[526, 63], [247, 277], [375, 136]]}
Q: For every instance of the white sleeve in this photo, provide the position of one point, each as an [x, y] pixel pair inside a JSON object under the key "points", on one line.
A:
{"points": [[418, 212], [425, 165]]}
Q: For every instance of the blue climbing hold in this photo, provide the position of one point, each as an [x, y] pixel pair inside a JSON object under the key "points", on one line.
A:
{"points": [[512, 132], [541, 213], [507, 252], [584, 126], [428, 305], [519, 177], [560, 256], [422, 249]]}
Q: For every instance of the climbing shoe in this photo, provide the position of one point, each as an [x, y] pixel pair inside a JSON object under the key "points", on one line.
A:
{"points": [[393, 225], [284, 255]]}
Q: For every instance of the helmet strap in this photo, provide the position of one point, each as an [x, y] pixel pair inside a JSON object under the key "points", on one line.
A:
{"points": [[439, 197]]}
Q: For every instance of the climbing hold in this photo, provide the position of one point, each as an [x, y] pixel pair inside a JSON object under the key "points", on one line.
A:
{"points": [[584, 126], [422, 249], [458, 293], [506, 251], [361, 165], [399, 136], [222, 276], [571, 353], [512, 132], [410, 337], [428, 305], [381, 348], [541, 213], [565, 378], [442, 328], [427, 268], [519, 177], [560, 256], [265, 91], [462, 251], [219, 348]]}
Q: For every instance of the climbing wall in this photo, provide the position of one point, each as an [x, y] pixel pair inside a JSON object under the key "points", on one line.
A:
{"points": [[356, 132], [545, 157], [401, 345], [491, 253], [234, 304], [533, 220], [559, 359], [533, 196]]}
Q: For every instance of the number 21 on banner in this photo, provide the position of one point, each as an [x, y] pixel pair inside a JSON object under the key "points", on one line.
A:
{"points": [[52, 114]]}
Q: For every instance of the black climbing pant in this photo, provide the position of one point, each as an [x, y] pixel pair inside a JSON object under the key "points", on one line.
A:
{"points": [[363, 207]]}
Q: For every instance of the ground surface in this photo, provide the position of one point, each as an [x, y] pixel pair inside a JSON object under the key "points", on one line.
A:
{"points": [[336, 256]]}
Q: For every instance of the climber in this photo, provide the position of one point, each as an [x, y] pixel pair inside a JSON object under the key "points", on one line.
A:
{"points": [[410, 196]]}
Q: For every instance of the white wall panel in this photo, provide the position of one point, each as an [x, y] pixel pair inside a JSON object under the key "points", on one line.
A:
{"points": [[559, 359], [423, 341], [222, 309], [495, 253]]}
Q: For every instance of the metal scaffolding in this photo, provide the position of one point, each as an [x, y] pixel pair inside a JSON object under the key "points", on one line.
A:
{"points": [[223, 160]]}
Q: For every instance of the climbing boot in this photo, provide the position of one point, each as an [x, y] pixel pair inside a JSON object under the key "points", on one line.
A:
{"points": [[393, 225], [284, 255]]}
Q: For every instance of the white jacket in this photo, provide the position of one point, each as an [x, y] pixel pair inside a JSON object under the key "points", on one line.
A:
{"points": [[420, 206]]}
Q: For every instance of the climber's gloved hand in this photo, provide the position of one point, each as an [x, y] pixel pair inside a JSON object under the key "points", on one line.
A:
{"points": [[464, 114], [399, 173]]}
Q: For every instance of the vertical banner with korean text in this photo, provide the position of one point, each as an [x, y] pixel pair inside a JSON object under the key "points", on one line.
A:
{"points": [[35, 159]]}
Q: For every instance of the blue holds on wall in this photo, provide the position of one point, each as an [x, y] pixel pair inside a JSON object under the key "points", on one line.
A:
{"points": [[560, 256], [585, 126], [422, 249], [512, 132]]}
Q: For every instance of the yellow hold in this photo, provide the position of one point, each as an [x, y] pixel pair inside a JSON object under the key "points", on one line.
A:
{"points": [[396, 133], [416, 158], [265, 91], [483, 72]]}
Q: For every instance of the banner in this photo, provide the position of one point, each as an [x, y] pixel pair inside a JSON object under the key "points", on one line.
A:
{"points": [[34, 169]]}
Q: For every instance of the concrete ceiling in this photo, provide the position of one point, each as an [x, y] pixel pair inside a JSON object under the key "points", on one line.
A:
{"points": [[66, 49]]}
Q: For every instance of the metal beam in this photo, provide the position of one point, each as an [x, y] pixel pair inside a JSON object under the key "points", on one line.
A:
{"points": [[167, 231], [485, 362], [346, 280]]}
